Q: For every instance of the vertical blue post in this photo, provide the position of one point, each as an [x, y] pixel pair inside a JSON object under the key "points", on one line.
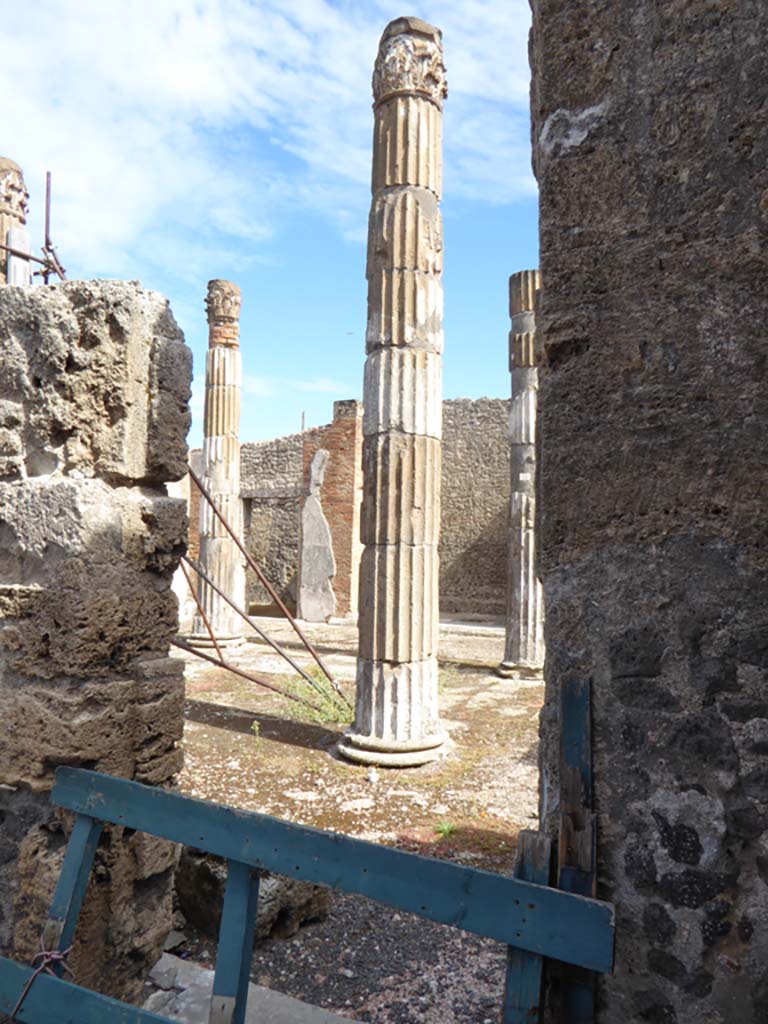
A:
{"points": [[235, 951], [522, 989], [67, 900]]}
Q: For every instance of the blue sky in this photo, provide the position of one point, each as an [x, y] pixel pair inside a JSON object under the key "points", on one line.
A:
{"points": [[191, 139]]}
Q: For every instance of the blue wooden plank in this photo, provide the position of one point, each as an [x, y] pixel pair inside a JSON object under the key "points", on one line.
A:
{"points": [[53, 1001], [235, 951], [67, 900], [541, 920], [577, 848], [576, 742], [522, 990]]}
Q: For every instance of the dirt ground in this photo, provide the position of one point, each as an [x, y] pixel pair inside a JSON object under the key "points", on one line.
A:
{"points": [[252, 749]]}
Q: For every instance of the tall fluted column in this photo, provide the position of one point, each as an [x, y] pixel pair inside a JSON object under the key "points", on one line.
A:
{"points": [[524, 649], [14, 200], [396, 715], [219, 556]]}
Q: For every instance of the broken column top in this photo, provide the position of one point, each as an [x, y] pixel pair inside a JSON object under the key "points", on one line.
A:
{"points": [[14, 198], [410, 60], [222, 306], [522, 291], [522, 304]]}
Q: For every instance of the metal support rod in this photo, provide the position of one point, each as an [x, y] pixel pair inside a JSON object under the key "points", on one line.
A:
{"points": [[264, 581], [246, 618], [198, 603], [245, 675]]}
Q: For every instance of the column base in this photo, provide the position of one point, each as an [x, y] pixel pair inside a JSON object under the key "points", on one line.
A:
{"points": [[204, 641], [393, 753], [510, 669]]}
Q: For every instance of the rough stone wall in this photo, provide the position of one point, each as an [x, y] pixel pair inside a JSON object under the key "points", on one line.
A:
{"points": [[271, 475], [651, 151], [94, 388], [474, 517], [475, 506], [341, 495]]}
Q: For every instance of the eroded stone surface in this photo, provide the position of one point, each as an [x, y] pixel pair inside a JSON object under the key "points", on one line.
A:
{"points": [[94, 383], [284, 903], [318, 567], [651, 158]]}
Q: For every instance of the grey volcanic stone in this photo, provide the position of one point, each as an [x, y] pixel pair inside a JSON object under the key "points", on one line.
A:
{"points": [[284, 904], [651, 153]]}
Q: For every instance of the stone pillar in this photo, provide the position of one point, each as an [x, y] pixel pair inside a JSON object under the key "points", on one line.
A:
{"points": [[396, 719], [651, 152], [317, 566], [524, 647], [219, 556], [94, 380], [14, 200]]}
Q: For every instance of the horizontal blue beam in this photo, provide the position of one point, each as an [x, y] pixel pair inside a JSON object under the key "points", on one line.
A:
{"points": [[53, 1001], [541, 920]]}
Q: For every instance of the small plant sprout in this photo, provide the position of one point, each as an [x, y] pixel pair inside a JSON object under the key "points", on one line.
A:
{"points": [[445, 829], [255, 728]]}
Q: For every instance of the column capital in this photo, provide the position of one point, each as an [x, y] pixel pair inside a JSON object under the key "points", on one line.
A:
{"points": [[410, 60], [14, 198], [222, 306]]}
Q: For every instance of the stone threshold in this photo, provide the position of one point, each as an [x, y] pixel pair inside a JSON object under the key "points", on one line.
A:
{"points": [[182, 992]]}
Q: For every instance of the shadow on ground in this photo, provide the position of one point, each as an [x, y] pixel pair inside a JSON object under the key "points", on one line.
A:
{"points": [[271, 727]]}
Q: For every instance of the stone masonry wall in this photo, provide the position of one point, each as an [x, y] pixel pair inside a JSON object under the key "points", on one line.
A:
{"points": [[651, 151], [475, 506], [474, 516], [271, 475], [94, 388]]}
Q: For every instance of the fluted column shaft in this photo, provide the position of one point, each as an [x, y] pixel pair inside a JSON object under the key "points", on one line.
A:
{"points": [[219, 556], [396, 715], [524, 647], [13, 217]]}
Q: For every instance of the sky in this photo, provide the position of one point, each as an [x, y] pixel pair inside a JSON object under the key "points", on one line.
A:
{"points": [[198, 139]]}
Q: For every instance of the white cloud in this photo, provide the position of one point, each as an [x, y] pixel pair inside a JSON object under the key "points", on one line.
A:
{"points": [[210, 118]]}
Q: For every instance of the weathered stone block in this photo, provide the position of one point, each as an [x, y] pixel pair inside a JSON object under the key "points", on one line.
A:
{"points": [[405, 232], [94, 381], [284, 903], [398, 594], [405, 309], [401, 491], [651, 167], [102, 373], [396, 703], [403, 389]]}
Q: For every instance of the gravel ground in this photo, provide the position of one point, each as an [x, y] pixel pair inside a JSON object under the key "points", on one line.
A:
{"points": [[373, 964], [365, 961]]}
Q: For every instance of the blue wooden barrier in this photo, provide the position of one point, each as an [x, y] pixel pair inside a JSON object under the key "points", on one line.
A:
{"points": [[525, 915]]}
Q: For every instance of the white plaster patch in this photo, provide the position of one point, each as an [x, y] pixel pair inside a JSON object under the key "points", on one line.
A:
{"points": [[565, 129]]}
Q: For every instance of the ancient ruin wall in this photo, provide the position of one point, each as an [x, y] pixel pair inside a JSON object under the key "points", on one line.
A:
{"points": [[651, 152], [475, 506], [474, 516], [271, 474], [94, 388]]}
